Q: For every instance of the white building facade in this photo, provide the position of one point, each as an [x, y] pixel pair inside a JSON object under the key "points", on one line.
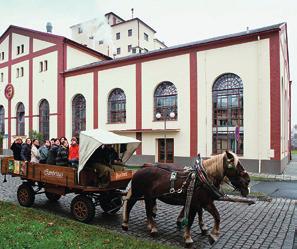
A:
{"points": [[116, 37], [231, 92]]}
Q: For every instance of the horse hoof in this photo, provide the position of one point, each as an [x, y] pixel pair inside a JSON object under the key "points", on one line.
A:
{"points": [[188, 245], [154, 233], [212, 239], [204, 232], [125, 227], [179, 225]]}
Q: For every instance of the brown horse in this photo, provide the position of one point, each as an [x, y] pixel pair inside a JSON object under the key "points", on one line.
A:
{"points": [[153, 183]]}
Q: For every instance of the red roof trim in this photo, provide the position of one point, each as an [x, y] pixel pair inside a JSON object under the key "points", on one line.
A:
{"points": [[50, 38], [176, 50]]}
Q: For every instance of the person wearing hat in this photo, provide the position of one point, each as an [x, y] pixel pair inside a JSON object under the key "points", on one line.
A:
{"points": [[73, 152], [16, 148]]}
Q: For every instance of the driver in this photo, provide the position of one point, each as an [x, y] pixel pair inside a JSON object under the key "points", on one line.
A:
{"points": [[105, 161]]}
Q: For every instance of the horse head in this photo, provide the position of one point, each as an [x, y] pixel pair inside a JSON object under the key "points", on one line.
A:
{"points": [[236, 173]]}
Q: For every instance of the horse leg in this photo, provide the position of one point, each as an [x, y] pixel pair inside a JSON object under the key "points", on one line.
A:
{"points": [[149, 208], [215, 232], [202, 226], [180, 218], [128, 205], [187, 233]]}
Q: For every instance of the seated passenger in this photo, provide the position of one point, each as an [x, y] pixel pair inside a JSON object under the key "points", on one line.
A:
{"points": [[62, 154], [43, 151], [35, 156], [73, 152], [26, 150], [16, 148], [52, 153]]}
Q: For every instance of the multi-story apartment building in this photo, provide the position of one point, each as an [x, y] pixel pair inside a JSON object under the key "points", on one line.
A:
{"points": [[116, 37]]}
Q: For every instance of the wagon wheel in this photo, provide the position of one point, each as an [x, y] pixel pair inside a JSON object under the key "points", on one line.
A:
{"points": [[52, 196], [83, 208], [111, 202], [26, 195]]}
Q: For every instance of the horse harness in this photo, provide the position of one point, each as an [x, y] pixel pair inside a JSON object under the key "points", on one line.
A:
{"points": [[196, 178]]}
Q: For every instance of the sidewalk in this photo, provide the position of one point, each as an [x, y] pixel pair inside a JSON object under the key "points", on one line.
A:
{"points": [[289, 174]]}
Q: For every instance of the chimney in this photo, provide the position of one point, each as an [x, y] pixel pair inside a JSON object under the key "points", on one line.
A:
{"points": [[49, 27], [132, 12]]}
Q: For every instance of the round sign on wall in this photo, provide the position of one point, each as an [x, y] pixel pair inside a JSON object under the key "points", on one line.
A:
{"points": [[9, 91]]}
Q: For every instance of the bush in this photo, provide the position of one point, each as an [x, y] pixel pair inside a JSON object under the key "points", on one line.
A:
{"points": [[35, 135]]}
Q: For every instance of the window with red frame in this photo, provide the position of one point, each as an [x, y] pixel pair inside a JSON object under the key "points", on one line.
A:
{"points": [[227, 99], [117, 106], [78, 114]]}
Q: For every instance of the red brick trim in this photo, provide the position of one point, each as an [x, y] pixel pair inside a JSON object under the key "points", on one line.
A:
{"points": [[139, 149], [95, 98], [30, 84], [290, 121], [275, 111], [9, 81], [61, 89], [29, 56], [193, 104], [138, 96]]}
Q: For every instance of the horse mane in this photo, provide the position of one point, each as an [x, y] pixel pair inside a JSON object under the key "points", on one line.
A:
{"points": [[214, 167]]}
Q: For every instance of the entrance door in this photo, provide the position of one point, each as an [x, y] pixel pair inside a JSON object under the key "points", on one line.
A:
{"points": [[169, 150]]}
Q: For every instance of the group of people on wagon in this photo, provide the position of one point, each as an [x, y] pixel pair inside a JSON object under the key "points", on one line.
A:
{"points": [[55, 151]]}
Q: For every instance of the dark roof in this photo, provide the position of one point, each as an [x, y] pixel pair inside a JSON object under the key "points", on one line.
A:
{"points": [[111, 13], [135, 19], [243, 34], [58, 37]]}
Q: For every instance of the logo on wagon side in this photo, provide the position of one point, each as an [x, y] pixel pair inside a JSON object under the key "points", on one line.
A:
{"points": [[53, 173]]}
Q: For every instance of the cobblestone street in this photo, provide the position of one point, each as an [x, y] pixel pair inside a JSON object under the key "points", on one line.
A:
{"points": [[263, 225]]}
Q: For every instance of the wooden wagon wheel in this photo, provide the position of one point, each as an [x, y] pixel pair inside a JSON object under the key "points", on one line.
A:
{"points": [[26, 195], [83, 208]]}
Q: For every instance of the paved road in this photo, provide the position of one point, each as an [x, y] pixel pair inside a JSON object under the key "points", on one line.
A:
{"points": [[277, 189], [263, 225]]}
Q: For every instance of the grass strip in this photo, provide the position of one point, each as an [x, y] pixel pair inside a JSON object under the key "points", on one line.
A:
{"points": [[27, 228]]}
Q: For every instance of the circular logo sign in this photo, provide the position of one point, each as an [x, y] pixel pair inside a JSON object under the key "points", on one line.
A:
{"points": [[9, 91]]}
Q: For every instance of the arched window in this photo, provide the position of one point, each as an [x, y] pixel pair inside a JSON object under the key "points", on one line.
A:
{"points": [[78, 114], [44, 118], [20, 119], [165, 100], [117, 106], [227, 98], [2, 120]]}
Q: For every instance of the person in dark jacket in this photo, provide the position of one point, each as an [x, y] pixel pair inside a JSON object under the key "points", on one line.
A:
{"points": [[62, 155], [52, 153], [43, 151], [26, 150], [16, 148]]}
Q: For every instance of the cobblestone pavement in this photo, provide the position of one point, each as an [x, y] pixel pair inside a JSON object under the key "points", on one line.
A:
{"points": [[263, 225]]}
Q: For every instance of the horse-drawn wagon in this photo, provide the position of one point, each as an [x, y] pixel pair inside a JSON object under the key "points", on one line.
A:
{"points": [[55, 181]]}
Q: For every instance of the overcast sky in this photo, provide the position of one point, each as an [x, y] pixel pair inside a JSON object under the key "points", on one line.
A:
{"points": [[175, 21]]}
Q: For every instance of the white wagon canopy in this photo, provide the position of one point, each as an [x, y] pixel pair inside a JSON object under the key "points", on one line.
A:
{"points": [[91, 140]]}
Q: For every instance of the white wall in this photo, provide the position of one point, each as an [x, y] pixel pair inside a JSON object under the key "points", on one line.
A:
{"points": [[176, 70], [77, 58], [18, 40], [39, 45], [4, 48], [45, 87], [21, 94], [124, 40], [124, 78], [81, 84], [250, 61]]}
